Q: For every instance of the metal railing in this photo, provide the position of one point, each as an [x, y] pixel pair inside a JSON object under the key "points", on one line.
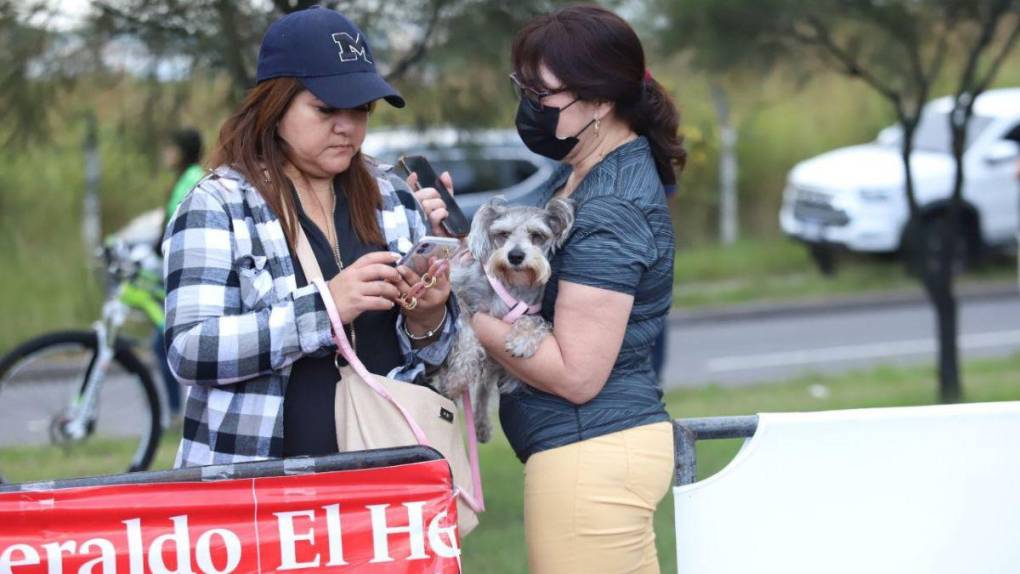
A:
{"points": [[686, 433], [276, 467]]}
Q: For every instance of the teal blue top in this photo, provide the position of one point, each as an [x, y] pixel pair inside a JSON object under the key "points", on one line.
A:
{"points": [[622, 240]]}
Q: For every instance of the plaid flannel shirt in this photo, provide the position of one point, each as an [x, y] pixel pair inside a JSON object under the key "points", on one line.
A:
{"points": [[236, 321]]}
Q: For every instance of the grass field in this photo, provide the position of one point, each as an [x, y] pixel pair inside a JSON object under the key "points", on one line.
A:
{"points": [[780, 270], [497, 546]]}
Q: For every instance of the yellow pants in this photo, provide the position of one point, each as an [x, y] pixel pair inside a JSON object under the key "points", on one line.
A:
{"points": [[588, 506]]}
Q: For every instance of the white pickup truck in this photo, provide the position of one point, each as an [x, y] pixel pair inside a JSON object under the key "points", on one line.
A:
{"points": [[855, 196]]}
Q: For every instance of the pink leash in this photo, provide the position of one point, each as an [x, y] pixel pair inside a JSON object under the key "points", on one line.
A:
{"points": [[476, 502]]}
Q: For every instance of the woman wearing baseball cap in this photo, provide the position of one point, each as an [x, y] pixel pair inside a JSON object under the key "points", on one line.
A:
{"points": [[245, 329]]}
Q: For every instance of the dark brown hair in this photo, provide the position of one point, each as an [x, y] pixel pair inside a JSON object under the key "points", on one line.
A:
{"points": [[598, 57], [249, 143], [189, 148]]}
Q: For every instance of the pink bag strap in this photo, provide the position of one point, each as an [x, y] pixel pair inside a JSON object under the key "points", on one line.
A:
{"points": [[314, 275], [345, 350], [310, 266]]}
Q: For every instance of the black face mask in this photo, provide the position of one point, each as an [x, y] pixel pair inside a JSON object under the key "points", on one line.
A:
{"points": [[538, 130]]}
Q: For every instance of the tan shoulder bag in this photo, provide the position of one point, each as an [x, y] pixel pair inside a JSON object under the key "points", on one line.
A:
{"points": [[373, 411]]}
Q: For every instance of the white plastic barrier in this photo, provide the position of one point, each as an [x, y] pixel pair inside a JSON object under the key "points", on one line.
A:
{"points": [[927, 490]]}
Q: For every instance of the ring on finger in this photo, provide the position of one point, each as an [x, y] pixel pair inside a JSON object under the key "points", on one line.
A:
{"points": [[428, 280], [407, 302]]}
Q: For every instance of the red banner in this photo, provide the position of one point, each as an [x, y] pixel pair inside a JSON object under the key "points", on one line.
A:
{"points": [[399, 519]]}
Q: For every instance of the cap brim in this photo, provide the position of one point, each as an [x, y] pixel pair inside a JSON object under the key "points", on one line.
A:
{"points": [[351, 90]]}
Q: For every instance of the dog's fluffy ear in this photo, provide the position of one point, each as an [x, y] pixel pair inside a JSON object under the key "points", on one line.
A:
{"points": [[559, 216], [479, 243]]}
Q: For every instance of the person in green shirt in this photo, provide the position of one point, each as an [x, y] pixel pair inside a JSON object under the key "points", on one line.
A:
{"points": [[183, 155]]}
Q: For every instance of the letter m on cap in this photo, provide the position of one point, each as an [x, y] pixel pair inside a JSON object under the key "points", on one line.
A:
{"points": [[350, 48]]}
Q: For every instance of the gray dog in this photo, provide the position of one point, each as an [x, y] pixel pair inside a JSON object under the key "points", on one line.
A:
{"points": [[505, 276]]}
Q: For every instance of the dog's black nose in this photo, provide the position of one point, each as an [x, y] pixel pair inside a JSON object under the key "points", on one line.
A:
{"points": [[516, 256]]}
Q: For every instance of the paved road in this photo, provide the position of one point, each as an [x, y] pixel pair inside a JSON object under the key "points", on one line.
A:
{"points": [[28, 409], [737, 351], [734, 350]]}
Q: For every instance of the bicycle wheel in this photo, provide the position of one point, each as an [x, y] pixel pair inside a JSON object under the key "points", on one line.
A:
{"points": [[40, 381]]}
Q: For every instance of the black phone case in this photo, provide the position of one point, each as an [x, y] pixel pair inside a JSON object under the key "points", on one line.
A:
{"points": [[456, 224]]}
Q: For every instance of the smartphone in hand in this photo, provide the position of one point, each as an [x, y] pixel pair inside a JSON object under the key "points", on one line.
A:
{"points": [[456, 224], [417, 259]]}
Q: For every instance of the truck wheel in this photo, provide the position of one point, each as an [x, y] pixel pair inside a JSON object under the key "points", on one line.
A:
{"points": [[824, 257]]}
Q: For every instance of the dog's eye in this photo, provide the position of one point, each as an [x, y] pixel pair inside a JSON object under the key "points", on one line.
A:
{"points": [[536, 237], [502, 236]]}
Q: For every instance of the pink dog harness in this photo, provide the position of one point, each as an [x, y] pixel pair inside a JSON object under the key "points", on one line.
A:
{"points": [[517, 308]]}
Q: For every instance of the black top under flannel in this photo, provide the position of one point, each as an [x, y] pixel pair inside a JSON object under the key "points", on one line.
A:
{"points": [[309, 424]]}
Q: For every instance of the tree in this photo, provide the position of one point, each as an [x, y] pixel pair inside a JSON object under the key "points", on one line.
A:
{"points": [[983, 61], [225, 35], [696, 27], [27, 86], [899, 48], [429, 49]]}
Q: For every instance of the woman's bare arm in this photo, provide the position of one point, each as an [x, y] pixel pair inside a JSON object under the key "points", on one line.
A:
{"points": [[576, 360]]}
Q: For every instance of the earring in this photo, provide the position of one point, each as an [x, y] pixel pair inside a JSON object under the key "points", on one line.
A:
{"points": [[596, 125]]}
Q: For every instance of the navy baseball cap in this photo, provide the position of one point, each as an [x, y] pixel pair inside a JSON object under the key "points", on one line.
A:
{"points": [[328, 54]]}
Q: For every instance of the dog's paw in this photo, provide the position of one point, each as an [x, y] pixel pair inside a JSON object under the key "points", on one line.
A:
{"points": [[526, 335], [521, 347], [483, 428]]}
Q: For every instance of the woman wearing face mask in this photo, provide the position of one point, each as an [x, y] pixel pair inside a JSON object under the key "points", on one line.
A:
{"points": [[245, 329], [591, 428]]}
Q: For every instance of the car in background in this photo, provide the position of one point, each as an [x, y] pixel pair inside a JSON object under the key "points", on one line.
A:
{"points": [[855, 197], [483, 164]]}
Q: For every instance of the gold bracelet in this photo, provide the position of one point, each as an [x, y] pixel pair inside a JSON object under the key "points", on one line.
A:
{"points": [[430, 333]]}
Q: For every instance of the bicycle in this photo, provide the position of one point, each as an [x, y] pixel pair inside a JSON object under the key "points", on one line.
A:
{"points": [[53, 387]]}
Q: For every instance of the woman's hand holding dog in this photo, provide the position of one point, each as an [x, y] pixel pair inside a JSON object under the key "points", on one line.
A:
{"points": [[429, 311], [368, 284], [430, 202]]}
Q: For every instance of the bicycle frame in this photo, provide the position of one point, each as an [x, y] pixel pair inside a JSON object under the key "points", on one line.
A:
{"points": [[140, 292], [145, 298]]}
